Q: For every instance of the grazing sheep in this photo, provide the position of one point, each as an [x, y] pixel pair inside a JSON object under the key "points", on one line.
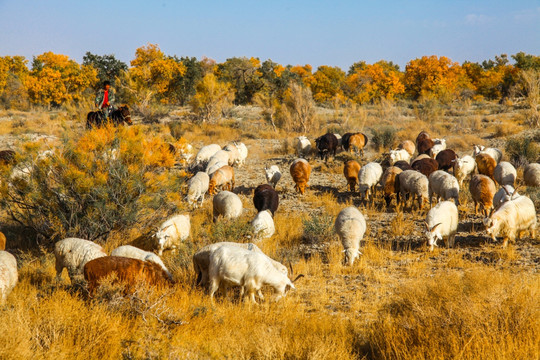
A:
{"points": [[2, 241], [407, 145], [350, 226], [422, 136], [72, 254], [424, 146], [463, 167], [201, 259], [414, 183], [273, 175], [425, 166], [263, 225], [197, 187], [234, 154], [243, 150], [399, 155], [420, 157], [356, 142], [390, 185], [482, 190], [511, 219], [215, 167], [441, 221], [439, 145], [204, 155], [302, 146], [531, 175], [129, 271], [8, 275], [368, 177], [350, 171], [444, 185], [505, 173], [300, 171], [172, 232], [326, 144], [136, 253], [495, 153], [248, 269], [186, 152], [227, 204], [219, 157], [223, 177], [403, 165], [266, 197], [485, 164], [504, 194], [446, 159]]}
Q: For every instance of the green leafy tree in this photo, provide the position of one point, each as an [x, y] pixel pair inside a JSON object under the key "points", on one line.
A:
{"points": [[107, 66], [183, 85], [244, 75]]}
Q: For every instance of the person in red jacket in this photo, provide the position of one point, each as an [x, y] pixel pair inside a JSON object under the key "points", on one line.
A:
{"points": [[105, 99]]}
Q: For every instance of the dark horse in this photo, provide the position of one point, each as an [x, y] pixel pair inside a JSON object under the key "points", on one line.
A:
{"points": [[117, 117]]}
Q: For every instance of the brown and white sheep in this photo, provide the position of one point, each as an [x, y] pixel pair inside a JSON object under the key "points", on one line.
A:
{"points": [[482, 189], [224, 177]]}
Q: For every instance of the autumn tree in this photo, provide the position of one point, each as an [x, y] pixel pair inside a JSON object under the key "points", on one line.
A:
{"points": [[13, 74], [302, 74], [244, 75], [371, 83], [434, 77], [55, 79], [211, 98], [297, 112], [107, 66], [327, 83]]}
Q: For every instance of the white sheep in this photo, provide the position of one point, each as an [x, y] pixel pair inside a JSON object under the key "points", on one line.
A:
{"points": [[201, 259], [273, 175], [464, 167], [172, 231], [350, 226], [493, 152], [440, 145], [219, 157], [136, 253], [186, 153], [73, 254], [204, 154], [399, 155], [197, 187], [414, 183], [505, 173], [263, 225], [302, 146], [8, 275], [368, 177], [443, 185], [227, 204], [504, 194], [248, 269], [215, 167], [441, 221], [234, 154], [243, 150], [511, 219], [531, 175]]}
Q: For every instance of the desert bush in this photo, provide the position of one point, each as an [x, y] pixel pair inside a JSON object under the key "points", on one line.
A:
{"points": [[104, 180], [317, 229], [383, 137], [522, 150]]}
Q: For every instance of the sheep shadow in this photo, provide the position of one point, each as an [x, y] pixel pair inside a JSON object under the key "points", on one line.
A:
{"points": [[244, 190]]}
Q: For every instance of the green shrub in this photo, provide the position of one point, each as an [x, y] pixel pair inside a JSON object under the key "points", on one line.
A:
{"points": [[522, 151], [383, 137], [317, 229]]}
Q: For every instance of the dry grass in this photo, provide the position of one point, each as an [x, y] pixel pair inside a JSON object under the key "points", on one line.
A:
{"points": [[392, 304]]}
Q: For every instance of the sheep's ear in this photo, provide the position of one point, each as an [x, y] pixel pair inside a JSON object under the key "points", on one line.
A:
{"points": [[434, 227]]}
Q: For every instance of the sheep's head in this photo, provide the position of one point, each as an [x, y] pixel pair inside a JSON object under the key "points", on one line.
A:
{"points": [[363, 190], [492, 226], [350, 256], [433, 234], [393, 156]]}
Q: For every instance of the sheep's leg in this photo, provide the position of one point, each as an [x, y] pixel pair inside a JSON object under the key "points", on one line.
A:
{"points": [[59, 268], [451, 239], [475, 208], [214, 286]]}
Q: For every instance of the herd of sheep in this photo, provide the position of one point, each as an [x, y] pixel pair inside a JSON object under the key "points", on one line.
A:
{"points": [[435, 172]]}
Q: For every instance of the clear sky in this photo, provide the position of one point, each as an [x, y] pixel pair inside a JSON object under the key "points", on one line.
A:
{"points": [[336, 33]]}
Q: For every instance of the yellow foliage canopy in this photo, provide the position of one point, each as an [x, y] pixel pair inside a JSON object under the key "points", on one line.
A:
{"points": [[372, 83]]}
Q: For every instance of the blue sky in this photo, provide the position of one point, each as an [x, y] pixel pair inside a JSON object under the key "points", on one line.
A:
{"points": [[336, 33]]}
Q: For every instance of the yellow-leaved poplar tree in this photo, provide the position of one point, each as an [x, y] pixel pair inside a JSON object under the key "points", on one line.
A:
{"points": [[372, 83], [211, 98]]}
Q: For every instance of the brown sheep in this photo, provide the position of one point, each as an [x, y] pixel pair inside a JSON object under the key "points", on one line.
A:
{"points": [[424, 146], [358, 141], [300, 171], [422, 136], [482, 189], [350, 171], [224, 177], [128, 271], [485, 165], [2, 241], [425, 166], [389, 183], [408, 146], [446, 159]]}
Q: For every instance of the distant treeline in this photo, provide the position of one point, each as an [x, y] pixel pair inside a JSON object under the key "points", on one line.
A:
{"points": [[153, 77]]}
